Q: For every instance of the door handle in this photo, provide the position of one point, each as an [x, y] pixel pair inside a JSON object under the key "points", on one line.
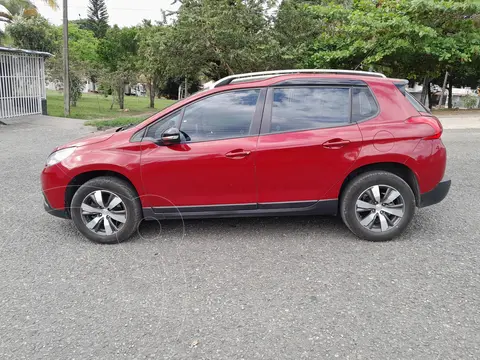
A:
{"points": [[238, 154], [335, 143]]}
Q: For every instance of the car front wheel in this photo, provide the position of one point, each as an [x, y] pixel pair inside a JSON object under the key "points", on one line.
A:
{"points": [[377, 205], [106, 210]]}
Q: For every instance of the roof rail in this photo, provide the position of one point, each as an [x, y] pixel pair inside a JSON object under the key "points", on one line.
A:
{"points": [[267, 74]]}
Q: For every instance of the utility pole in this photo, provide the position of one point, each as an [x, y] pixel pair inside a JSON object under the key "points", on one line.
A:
{"points": [[66, 77]]}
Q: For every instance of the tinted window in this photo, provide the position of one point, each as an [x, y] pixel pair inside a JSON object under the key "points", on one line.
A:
{"points": [[364, 105], [155, 131], [221, 116], [309, 108], [416, 104]]}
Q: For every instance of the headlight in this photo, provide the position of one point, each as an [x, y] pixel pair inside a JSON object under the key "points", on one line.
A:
{"points": [[59, 155]]}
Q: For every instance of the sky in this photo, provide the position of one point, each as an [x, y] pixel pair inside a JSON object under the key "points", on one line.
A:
{"points": [[121, 12]]}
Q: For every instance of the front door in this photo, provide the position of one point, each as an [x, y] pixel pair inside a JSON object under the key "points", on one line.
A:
{"points": [[307, 144], [213, 168]]}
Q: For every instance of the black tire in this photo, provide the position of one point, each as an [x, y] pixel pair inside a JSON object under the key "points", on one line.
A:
{"points": [[130, 200], [363, 182]]}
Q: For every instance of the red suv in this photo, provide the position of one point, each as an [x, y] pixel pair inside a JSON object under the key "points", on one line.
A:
{"points": [[293, 142]]}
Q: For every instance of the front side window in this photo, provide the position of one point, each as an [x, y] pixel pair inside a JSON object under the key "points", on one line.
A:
{"points": [[156, 130], [296, 109], [221, 116]]}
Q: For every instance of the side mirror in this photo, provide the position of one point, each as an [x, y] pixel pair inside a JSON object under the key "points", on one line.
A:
{"points": [[171, 136]]}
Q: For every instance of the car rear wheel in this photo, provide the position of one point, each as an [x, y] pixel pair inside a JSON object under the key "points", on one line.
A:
{"points": [[377, 205], [106, 210]]}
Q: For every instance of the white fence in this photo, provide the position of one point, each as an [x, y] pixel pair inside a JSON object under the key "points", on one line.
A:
{"points": [[22, 84]]}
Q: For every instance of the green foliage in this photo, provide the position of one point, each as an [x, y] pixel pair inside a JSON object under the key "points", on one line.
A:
{"points": [[76, 87], [470, 101], [81, 23], [118, 54], [220, 37], [401, 37], [209, 39], [155, 62], [33, 33], [82, 58], [98, 18], [25, 8]]}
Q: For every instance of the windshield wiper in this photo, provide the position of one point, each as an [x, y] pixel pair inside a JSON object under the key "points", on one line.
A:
{"points": [[124, 127]]}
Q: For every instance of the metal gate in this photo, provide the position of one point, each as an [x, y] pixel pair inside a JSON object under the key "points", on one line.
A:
{"points": [[22, 82]]}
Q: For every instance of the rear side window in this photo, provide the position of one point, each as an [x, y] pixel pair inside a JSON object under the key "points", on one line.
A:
{"points": [[364, 105], [416, 104], [296, 109]]}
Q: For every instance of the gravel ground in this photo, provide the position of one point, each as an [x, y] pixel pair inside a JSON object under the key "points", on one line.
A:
{"points": [[270, 288]]}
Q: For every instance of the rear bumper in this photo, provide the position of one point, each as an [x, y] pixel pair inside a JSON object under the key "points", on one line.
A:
{"points": [[436, 195], [58, 213]]}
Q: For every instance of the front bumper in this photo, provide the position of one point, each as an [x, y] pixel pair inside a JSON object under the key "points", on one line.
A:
{"points": [[58, 213], [436, 195]]}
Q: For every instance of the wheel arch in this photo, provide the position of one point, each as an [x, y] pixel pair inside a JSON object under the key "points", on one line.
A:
{"points": [[399, 169], [83, 177]]}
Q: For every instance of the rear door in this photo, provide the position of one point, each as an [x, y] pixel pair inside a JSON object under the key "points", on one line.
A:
{"points": [[308, 143]]}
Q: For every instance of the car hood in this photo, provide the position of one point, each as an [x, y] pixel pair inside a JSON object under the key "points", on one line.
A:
{"points": [[93, 138]]}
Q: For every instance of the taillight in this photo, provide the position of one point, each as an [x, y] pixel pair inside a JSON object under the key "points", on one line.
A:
{"points": [[432, 121]]}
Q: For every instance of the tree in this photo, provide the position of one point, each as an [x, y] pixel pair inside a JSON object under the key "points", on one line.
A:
{"points": [[83, 24], [34, 33], [155, 59], [83, 59], [412, 39], [221, 37], [22, 8], [295, 29], [98, 18], [118, 54]]}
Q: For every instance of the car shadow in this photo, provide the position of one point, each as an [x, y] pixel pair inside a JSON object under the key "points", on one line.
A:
{"points": [[247, 227]]}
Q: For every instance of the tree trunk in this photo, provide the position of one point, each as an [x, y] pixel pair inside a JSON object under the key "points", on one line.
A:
{"points": [[450, 92], [121, 97], [423, 97], [151, 93], [429, 94]]}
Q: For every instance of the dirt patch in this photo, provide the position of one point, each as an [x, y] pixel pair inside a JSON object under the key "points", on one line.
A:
{"points": [[460, 112]]}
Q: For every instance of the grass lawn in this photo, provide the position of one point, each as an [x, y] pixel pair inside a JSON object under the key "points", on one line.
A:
{"points": [[96, 107]]}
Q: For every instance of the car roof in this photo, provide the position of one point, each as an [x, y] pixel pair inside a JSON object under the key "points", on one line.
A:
{"points": [[330, 78], [275, 80]]}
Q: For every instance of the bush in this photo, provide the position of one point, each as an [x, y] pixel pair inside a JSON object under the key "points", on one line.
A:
{"points": [[470, 101], [76, 88]]}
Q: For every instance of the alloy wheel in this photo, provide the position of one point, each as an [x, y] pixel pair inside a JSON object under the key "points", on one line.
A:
{"points": [[380, 208], [103, 212]]}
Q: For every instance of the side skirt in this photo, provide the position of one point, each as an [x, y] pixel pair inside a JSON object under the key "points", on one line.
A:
{"points": [[322, 207]]}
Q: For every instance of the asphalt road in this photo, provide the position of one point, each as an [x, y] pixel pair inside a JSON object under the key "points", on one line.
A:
{"points": [[270, 288]]}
